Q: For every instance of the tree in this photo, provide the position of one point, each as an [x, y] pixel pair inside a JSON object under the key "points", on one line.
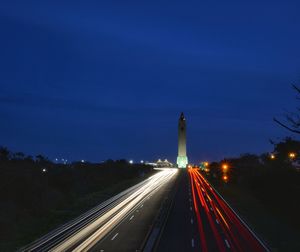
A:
{"points": [[4, 153], [41, 159], [292, 120], [284, 149]]}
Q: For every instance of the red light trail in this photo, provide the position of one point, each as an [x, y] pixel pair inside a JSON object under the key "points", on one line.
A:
{"points": [[229, 232]]}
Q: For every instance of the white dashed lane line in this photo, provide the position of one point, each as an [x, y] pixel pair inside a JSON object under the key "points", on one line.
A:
{"points": [[142, 206], [192, 221], [114, 237], [191, 208], [227, 243], [193, 243], [131, 217], [217, 221]]}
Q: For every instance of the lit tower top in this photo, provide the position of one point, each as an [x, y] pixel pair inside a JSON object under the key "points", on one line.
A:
{"points": [[182, 159]]}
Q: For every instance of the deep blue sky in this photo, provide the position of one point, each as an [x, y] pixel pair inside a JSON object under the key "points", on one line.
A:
{"points": [[94, 80]]}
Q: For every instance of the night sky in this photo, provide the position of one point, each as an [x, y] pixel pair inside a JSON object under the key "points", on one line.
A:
{"points": [[93, 80]]}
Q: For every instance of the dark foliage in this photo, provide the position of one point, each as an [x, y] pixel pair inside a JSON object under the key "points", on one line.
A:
{"points": [[274, 182], [30, 189]]}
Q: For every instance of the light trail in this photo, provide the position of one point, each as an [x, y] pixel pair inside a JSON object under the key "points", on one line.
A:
{"points": [[208, 215], [200, 225], [231, 233], [241, 229], [87, 230]]}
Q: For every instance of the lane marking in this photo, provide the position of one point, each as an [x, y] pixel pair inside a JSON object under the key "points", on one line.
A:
{"points": [[115, 236], [137, 210], [227, 243], [101, 250], [142, 205], [192, 221], [193, 243], [191, 208], [131, 217], [211, 209], [190, 200], [217, 221]]}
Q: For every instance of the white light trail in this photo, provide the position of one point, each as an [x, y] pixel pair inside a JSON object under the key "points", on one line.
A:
{"points": [[88, 236]]}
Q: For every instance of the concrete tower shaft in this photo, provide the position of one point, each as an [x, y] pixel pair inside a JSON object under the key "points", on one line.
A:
{"points": [[182, 159], [181, 136]]}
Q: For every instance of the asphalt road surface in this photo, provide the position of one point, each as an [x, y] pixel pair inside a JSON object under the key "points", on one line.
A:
{"points": [[130, 234], [201, 220], [118, 224]]}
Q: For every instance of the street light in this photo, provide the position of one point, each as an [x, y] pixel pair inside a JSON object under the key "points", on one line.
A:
{"points": [[225, 167], [225, 178], [272, 156], [292, 155]]}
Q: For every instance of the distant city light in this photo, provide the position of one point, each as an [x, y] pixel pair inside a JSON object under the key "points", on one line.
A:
{"points": [[206, 164], [44, 170], [272, 156], [82, 161], [142, 161], [292, 155], [130, 161]]}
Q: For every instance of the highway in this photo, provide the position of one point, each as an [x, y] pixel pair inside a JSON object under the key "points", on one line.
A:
{"points": [[118, 224], [201, 220]]}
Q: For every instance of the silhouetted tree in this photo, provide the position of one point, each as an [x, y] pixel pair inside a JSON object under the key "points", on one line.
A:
{"points": [[4, 153], [283, 149], [40, 158], [292, 120]]}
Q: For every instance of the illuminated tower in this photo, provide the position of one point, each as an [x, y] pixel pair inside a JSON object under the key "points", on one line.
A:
{"points": [[182, 159]]}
